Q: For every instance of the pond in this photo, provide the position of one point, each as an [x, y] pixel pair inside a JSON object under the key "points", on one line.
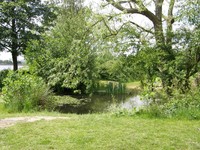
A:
{"points": [[99, 103]]}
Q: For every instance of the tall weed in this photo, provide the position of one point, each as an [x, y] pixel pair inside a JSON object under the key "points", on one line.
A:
{"points": [[110, 87], [25, 92], [177, 105], [3, 75], [184, 105]]}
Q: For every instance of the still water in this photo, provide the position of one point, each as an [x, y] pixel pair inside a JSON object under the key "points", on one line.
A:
{"points": [[99, 103], [2, 67]]}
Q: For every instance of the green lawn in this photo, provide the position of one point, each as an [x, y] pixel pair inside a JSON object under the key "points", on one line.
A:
{"points": [[100, 132]]}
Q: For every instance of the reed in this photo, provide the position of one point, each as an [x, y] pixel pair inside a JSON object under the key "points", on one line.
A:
{"points": [[110, 87]]}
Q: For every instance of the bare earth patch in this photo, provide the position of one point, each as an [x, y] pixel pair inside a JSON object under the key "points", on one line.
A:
{"points": [[7, 122]]}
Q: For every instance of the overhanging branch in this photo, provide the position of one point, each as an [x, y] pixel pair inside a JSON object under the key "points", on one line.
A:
{"points": [[149, 31], [141, 10]]}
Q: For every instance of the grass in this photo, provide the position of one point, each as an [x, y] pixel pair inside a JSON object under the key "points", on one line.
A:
{"points": [[100, 132], [1, 98], [133, 85], [67, 100]]}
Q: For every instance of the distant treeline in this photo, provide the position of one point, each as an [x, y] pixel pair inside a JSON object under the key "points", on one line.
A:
{"points": [[9, 62]]}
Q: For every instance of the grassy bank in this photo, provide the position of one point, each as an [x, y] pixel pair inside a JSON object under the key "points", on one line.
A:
{"points": [[133, 85], [100, 131]]}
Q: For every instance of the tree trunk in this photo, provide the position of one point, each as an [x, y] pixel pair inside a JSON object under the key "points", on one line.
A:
{"points": [[158, 27], [14, 42], [159, 36], [14, 58], [170, 21]]}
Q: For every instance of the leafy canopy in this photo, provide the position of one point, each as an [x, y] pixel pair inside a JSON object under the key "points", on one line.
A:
{"points": [[22, 21], [65, 57]]}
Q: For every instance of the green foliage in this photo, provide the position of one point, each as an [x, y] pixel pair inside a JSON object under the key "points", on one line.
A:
{"points": [[60, 100], [113, 47], [184, 105], [189, 11], [65, 58], [3, 75], [25, 92], [181, 106], [186, 51], [22, 21], [147, 65], [173, 57], [2, 108], [151, 111], [112, 67], [174, 70]]}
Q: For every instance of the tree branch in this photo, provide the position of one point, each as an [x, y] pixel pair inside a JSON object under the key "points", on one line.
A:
{"points": [[143, 10], [110, 30], [123, 2], [149, 31], [114, 32], [4, 46], [120, 7], [170, 11]]}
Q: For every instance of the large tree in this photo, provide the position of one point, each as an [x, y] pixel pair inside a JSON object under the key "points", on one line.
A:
{"points": [[172, 56], [161, 31], [156, 17], [21, 21]]}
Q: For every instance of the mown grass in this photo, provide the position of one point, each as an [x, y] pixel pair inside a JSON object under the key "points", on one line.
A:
{"points": [[100, 132]]}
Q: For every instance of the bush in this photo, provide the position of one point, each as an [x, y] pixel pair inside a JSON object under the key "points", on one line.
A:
{"points": [[25, 92], [3, 75], [180, 106], [184, 105]]}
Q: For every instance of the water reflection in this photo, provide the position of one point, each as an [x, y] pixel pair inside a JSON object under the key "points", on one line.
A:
{"points": [[99, 103], [131, 102]]}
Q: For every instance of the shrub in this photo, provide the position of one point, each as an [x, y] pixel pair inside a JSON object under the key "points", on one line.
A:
{"points": [[180, 106], [3, 75], [25, 92], [184, 105]]}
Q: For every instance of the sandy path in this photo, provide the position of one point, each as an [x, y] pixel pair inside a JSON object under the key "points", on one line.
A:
{"points": [[7, 122]]}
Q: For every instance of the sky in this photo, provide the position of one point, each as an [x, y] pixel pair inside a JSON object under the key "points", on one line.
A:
{"points": [[96, 6], [7, 56]]}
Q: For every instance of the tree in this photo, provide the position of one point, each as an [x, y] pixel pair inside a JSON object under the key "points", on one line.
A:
{"points": [[162, 35], [188, 61], [65, 57], [176, 55], [157, 17], [112, 67], [22, 21]]}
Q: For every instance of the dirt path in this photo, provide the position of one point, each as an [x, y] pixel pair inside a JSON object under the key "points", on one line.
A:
{"points": [[7, 122]]}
